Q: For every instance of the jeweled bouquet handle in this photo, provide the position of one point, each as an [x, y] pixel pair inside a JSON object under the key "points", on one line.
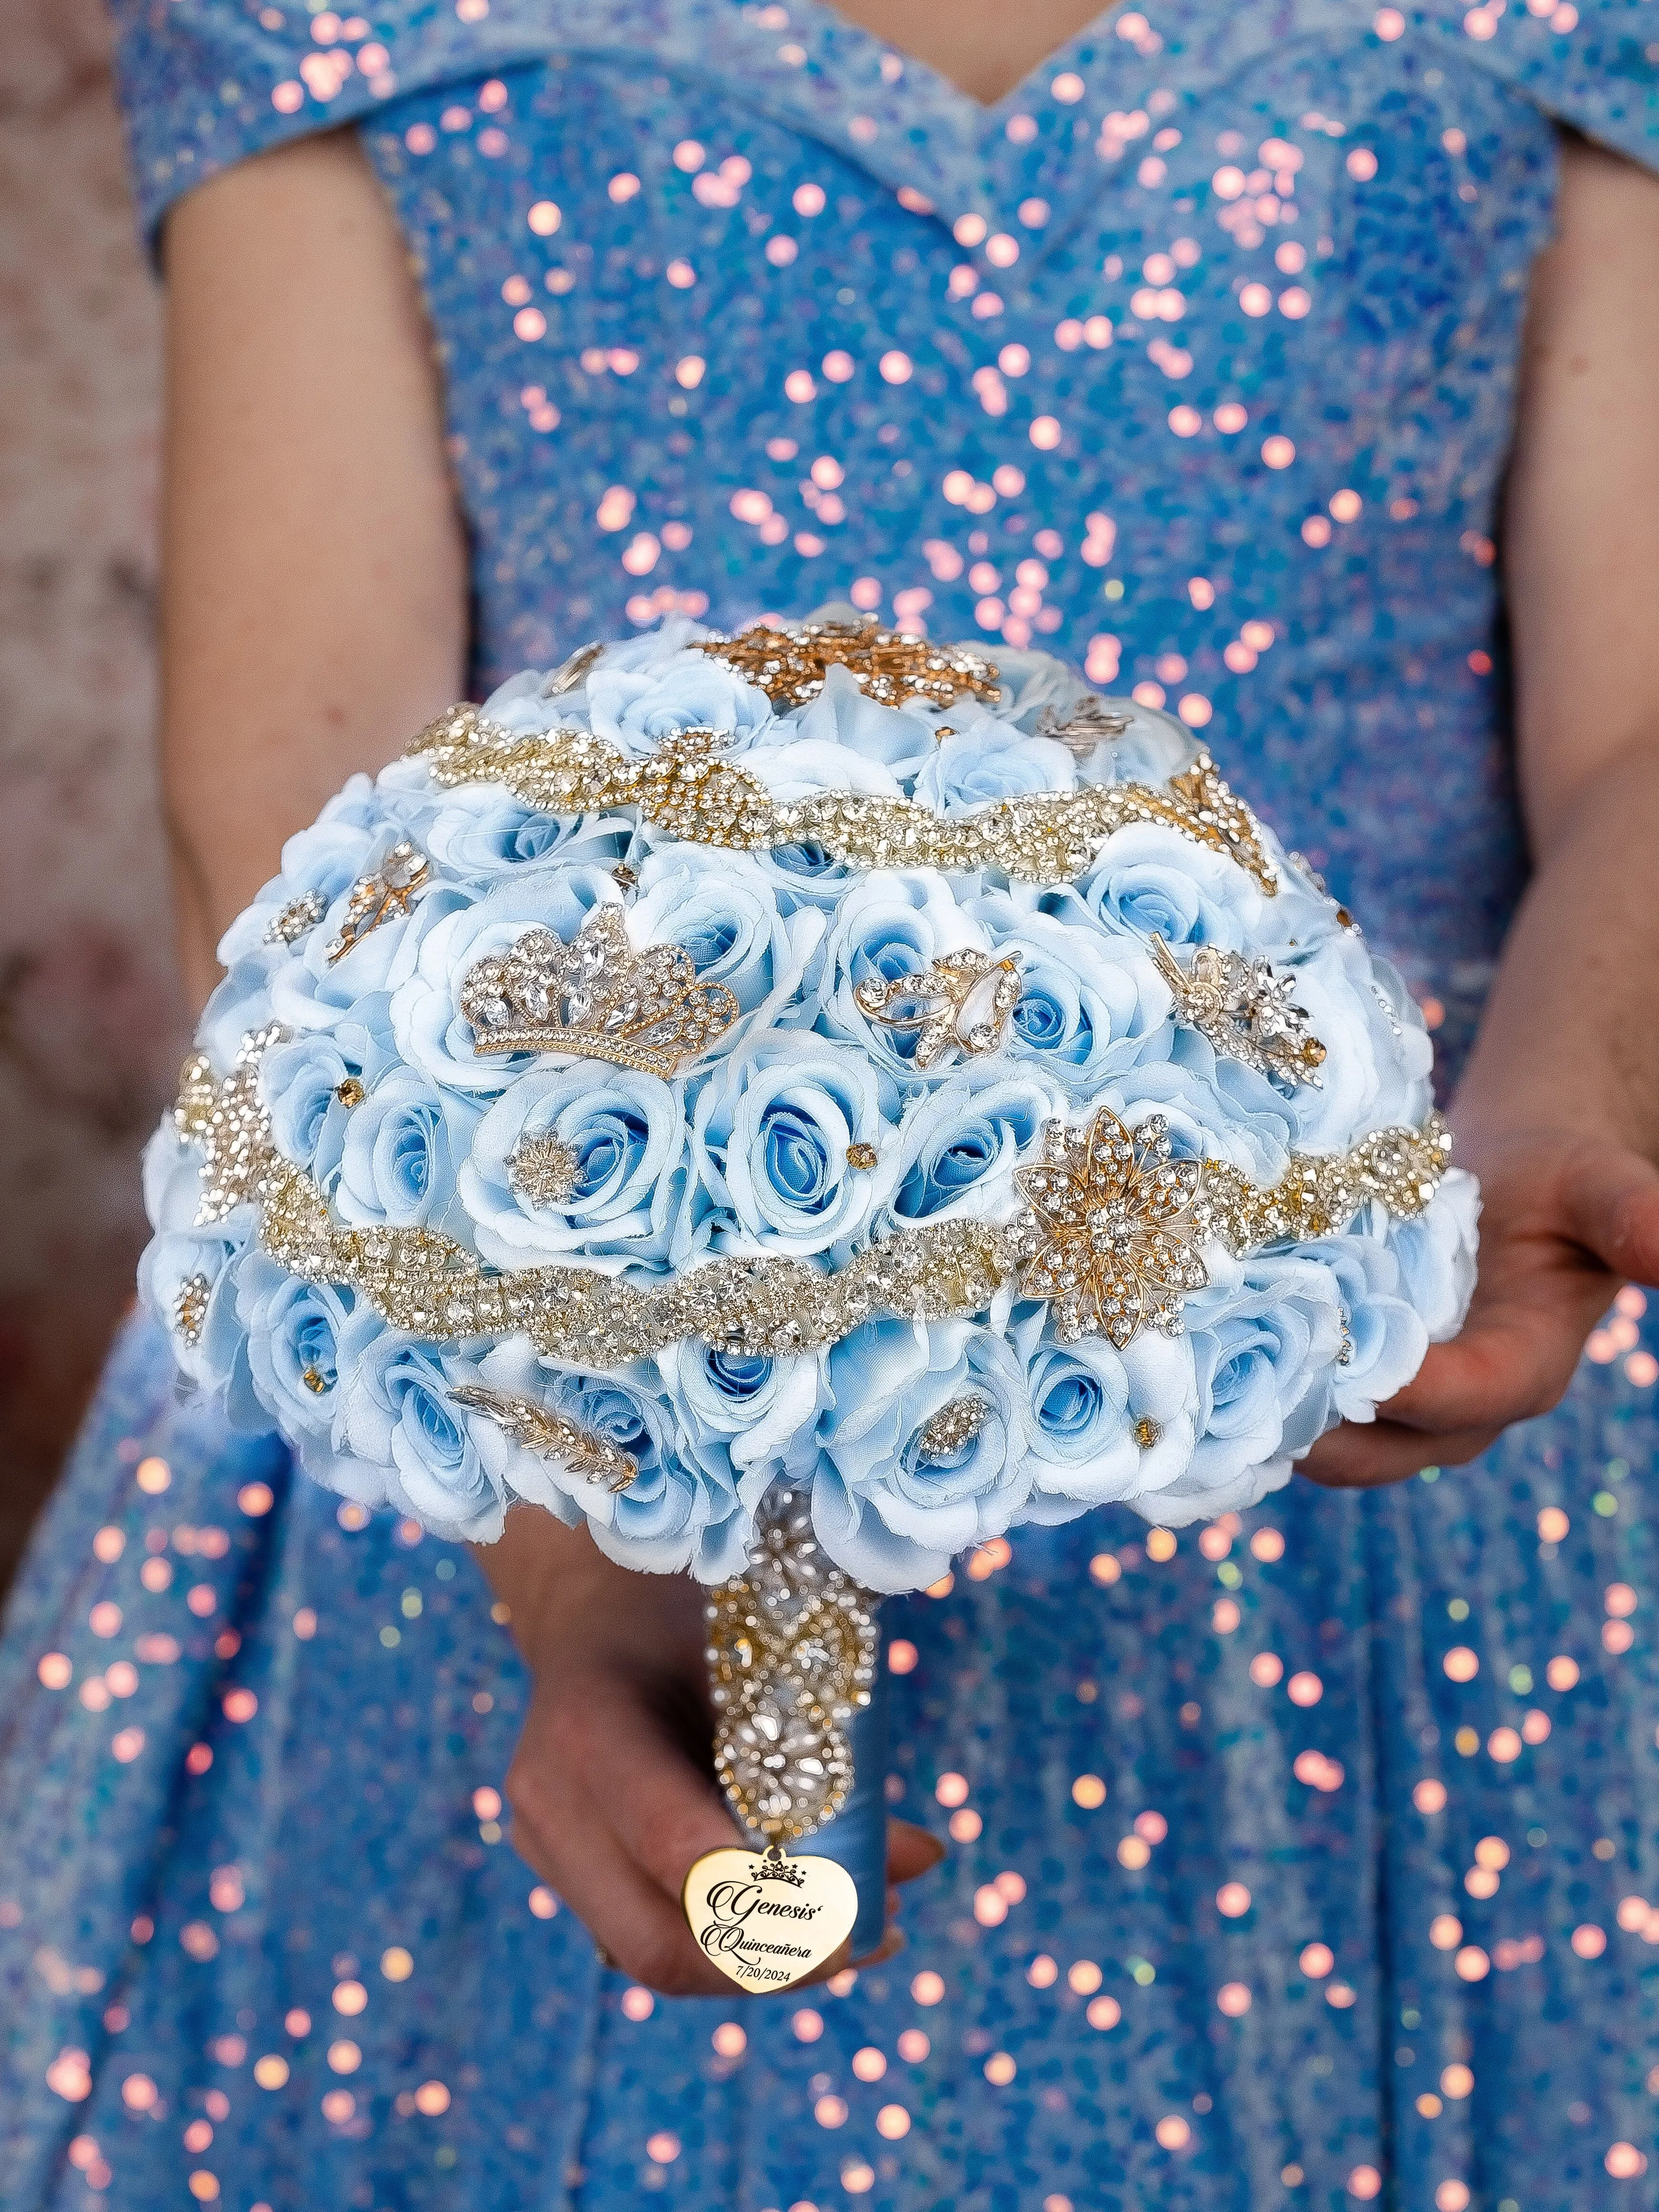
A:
{"points": [[802, 1104]]}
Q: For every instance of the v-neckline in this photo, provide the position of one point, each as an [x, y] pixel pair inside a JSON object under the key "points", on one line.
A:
{"points": [[1035, 87]]}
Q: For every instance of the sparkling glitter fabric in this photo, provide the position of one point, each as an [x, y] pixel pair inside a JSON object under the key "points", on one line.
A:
{"points": [[1303, 1861]]}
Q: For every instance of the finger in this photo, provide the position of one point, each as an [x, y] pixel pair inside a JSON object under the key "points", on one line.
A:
{"points": [[1510, 1362], [1612, 1202], [911, 1850], [644, 1933], [1361, 1456], [666, 1810]]}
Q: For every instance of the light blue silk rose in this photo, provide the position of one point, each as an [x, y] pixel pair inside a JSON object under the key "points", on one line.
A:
{"points": [[616, 1137], [843, 719], [1147, 878], [308, 1082], [1383, 1338], [635, 709], [988, 761], [400, 1153], [883, 1507], [241, 1002], [396, 1416], [431, 1032], [762, 1408], [959, 1146], [481, 831], [774, 1125], [294, 1333], [1106, 1425], [806, 875], [720, 910], [889, 926], [218, 1361], [1436, 1254], [1089, 1004], [687, 1505], [1262, 1338]]}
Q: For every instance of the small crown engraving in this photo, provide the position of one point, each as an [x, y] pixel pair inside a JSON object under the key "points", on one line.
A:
{"points": [[597, 998], [960, 1002], [772, 1866]]}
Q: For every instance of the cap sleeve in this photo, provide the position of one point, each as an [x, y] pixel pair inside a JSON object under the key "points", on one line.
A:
{"points": [[1591, 63], [205, 83]]}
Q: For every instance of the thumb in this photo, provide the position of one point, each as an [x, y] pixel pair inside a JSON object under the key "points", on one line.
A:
{"points": [[1612, 1207]]}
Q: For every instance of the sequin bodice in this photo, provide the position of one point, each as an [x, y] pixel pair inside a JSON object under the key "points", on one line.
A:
{"points": [[1194, 357]]}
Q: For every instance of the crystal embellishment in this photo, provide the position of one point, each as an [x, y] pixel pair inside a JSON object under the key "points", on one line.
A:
{"points": [[962, 1002], [1244, 1009], [542, 1169], [952, 1428], [550, 1435], [687, 788], [190, 1306], [1115, 1228], [789, 661], [424, 1282], [597, 998], [1080, 728], [290, 923], [792, 1657], [385, 893]]}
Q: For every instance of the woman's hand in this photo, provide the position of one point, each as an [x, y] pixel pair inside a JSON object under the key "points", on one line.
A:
{"points": [[1566, 1219], [612, 1790], [1558, 1111]]}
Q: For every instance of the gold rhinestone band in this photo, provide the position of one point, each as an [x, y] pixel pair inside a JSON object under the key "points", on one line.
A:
{"points": [[688, 789], [791, 1657], [431, 1287]]}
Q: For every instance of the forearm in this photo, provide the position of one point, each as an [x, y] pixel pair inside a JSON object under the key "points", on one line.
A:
{"points": [[1569, 1040], [314, 567]]}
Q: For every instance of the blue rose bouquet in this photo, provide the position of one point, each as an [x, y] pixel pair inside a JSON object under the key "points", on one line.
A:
{"points": [[817, 1058], [801, 1103]]}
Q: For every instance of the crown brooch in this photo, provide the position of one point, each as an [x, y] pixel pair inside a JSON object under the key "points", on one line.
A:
{"points": [[597, 998]]}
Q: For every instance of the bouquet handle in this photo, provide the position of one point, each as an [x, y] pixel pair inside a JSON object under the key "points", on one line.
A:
{"points": [[856, 1837]]}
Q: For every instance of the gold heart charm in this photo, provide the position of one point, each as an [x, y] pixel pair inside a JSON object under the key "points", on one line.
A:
{"points": [[766, 1920]]}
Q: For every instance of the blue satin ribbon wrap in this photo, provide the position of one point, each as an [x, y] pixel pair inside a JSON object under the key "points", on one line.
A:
{"points": [[857, 1837]]}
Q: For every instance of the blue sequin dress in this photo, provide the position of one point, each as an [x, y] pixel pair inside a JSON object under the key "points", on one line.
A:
{"points": [[1307, 1866]]}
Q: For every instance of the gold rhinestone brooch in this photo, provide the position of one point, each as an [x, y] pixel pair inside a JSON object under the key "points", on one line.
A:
{"points": [[1114, 1231], [384, 895], [1244, 1009], [595, 997], [789, 661], [960, 1002]]}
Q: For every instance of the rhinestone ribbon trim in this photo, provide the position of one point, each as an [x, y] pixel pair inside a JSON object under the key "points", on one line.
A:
{"points": [[430, 1286], [687, 789], [791, 1657]]}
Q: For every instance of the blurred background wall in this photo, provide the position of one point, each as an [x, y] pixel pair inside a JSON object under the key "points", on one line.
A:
{"points": [[91, 1023]]}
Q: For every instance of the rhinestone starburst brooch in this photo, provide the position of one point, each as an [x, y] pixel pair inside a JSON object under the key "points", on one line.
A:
{"points": [[789, 662], [1113, 1235], [597, 998]]}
